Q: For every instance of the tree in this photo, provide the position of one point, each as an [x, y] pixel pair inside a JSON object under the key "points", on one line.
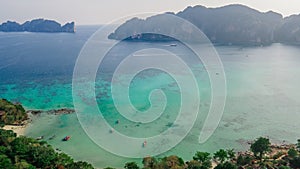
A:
{"points": [[243, 160], [284, 167], [5, 162], [260, 147], [131, 165], [28, 153], [2, 124], [295, 162], [149, 162], [193, 164], [24, 165], [226, 165], [240, 160], [63, 159], [6, 136], [221, 155], [4, 150], [171, 162], [292, 153], [203, 158], [21, 146], [298, 144], [42, 156], [231, 153], [80, 165]]}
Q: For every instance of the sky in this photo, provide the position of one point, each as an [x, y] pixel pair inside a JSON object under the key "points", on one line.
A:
{"points": [[95, 12]]}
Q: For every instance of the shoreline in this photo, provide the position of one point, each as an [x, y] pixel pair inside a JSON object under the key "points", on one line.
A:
{"points": [[19, 130], [278, 149]]}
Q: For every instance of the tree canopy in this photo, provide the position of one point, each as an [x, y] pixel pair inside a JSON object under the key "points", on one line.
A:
{"points": [[11, 113], [260, 146], [27, 153]]}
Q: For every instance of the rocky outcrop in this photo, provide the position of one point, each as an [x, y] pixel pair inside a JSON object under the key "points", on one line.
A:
{"points": [[11, 113], [37, 25], [68, 27], [55, 111]]}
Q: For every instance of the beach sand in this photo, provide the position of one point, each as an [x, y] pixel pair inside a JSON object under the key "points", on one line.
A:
{"points": [[19, 130]]}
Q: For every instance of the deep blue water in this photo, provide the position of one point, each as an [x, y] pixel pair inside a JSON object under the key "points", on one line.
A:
{"points": [[29, 56]]}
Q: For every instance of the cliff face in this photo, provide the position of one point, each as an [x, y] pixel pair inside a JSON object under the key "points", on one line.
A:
{"points": [[232, 24], [37, 25], [289, 31]]}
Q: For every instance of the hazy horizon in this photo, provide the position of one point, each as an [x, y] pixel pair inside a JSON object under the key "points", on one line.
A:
{"points": [[95, 12]]}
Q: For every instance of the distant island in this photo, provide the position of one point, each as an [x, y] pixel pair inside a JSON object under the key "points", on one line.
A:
{"points": [[37, 25], [232, 24]]}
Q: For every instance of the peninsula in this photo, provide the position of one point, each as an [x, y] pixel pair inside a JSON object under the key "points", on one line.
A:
{"points": [[37, 25]]}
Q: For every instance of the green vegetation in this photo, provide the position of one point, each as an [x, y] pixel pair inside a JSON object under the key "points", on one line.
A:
{"points": [[292, 153], [11, 113], [243, 160], [201, 160], [226, 165], [260, 147], [221, 156], [295, 162], [131, 165], [27, 153], [263, 155]]}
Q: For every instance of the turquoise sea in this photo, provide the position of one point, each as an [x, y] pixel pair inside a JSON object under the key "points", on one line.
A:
{"points": [[262, 93]]}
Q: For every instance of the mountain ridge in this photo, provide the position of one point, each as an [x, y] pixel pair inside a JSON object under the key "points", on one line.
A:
{"points": [[37, 25], [231, 24]]}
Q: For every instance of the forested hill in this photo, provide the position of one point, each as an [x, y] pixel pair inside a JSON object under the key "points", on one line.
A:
{"points": [[232, 24]]}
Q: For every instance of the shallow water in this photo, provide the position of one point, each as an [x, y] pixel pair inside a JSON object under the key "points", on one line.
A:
{"points": [[262, 87]]}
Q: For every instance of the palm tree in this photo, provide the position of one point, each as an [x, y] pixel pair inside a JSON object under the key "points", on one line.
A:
{"points": [[203, 158], [231, 153], [221, 155]]}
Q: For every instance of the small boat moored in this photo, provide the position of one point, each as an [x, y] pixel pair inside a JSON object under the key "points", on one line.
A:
{"points": [[67, 138], [40, 138], [52, 137]]}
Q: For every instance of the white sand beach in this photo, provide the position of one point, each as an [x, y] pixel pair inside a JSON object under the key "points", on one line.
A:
{"points": [[19, 130]]}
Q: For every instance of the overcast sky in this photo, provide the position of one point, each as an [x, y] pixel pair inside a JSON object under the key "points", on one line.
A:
{"points": [[85, 12]]}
